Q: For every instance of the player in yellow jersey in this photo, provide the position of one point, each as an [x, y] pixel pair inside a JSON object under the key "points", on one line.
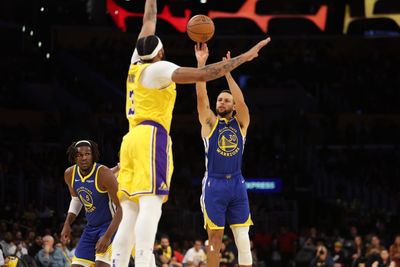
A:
{"points": [[145, 156]]}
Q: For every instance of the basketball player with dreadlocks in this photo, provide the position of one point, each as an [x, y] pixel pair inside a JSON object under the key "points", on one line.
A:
{"points": [[146, 156], [224, 194], [94, 187]]}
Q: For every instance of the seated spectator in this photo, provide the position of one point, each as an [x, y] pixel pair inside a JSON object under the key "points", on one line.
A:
{"points": [[50, 255], [195, 255], [7, 244], [227, 257], [164, 254], [66, 252], [395, 251], [357, 252], [322, 258], [374, 250], [36, 246], [338, 255], [1, 257], [384, 260]]}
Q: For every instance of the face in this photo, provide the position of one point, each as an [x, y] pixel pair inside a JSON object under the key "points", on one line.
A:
{"points": [[224, 105], [48, 241], [84, 157], [164, 242], [197, 245], [384, 254], [375, 241]]}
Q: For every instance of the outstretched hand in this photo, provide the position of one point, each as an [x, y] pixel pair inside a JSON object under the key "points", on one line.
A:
{"points": [[201, 52], [225, 58], [253, 52]]}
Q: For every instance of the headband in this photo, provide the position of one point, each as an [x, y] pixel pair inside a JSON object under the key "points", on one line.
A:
{"points": [[155, 51], [83, 142]]}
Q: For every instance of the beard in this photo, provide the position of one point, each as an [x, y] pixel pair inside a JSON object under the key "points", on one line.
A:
{"points": [[223, 113]]}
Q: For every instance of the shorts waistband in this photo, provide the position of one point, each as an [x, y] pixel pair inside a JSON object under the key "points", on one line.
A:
{"points": [[153, 123], [225, 175]]}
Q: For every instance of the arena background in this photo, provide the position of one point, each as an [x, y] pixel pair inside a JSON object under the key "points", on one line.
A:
{"points": [[323, 96]]}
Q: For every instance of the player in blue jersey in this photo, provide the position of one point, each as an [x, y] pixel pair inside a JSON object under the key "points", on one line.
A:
{"points": [[94, 187], [224, 195]]}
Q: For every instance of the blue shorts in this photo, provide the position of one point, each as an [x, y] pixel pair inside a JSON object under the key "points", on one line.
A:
{"points": [[224, 200], [86, 248]]}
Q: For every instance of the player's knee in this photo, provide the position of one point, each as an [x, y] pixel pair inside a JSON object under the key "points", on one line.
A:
{"points": [[242, 239]]}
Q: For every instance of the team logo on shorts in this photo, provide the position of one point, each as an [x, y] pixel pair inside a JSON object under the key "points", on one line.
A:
{"points": [[228, 142], [85, 195]]}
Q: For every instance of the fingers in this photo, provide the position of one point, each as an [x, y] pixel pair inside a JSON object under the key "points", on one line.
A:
{"points": [[264, 42]]}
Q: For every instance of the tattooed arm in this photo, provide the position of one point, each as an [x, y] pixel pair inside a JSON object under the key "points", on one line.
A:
{"points": [[216, 70]]}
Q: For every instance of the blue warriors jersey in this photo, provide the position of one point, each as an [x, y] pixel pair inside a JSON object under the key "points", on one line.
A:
{"points": [[99, 208], [224, 148], [224, 194]]}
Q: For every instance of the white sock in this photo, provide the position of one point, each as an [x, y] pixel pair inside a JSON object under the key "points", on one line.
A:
{"points": [[124, 239], [146, 229]]}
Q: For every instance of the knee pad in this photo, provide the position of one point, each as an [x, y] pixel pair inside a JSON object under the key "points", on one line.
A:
{"points": [[242, 241]]}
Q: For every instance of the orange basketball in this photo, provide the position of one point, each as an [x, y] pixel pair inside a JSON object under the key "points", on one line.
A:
{"points": [[200, 28]]}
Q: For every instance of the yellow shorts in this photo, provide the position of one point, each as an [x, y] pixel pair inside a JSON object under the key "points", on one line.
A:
{"points": [[146, 164]]}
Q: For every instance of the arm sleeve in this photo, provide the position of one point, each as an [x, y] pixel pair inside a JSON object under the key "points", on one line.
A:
{"points": [[158, 75]]}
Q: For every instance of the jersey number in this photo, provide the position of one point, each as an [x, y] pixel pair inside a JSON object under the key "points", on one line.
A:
{"points": [[131, 109]]}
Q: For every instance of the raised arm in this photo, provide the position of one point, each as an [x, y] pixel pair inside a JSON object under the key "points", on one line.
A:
{"points": [[216, 70], [206, 116], [242, 111], [149, 19], [108, 182]]}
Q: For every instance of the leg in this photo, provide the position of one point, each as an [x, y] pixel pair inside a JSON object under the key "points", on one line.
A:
{"points": [[242, 241], [146, 229], [102, 264], [214, 246], [124, 239]]}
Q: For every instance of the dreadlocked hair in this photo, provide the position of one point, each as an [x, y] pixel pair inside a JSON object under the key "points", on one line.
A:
{"points": [[73, 150]]}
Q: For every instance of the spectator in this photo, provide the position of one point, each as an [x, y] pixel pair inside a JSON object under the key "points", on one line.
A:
{"points": [[50, 256], [395, 251], [322, 258], [374, 250], [35, 247], [358, 252], [227, 257], [384, 260], [338, 255], [164, 254], [8, 246], [195, 255]]}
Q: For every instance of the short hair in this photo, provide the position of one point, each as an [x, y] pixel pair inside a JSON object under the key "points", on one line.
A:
{"points": [[146, 45], [226, 91], [73, 150]]}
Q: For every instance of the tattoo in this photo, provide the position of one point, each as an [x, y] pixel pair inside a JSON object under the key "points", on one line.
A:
{"points": [[217, 70]]}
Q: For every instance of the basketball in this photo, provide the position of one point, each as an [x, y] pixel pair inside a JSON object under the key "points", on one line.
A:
{"points": [[200, 28]]}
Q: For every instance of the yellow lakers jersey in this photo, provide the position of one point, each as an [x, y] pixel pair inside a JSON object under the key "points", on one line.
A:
{"points": [[143, 104]]}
